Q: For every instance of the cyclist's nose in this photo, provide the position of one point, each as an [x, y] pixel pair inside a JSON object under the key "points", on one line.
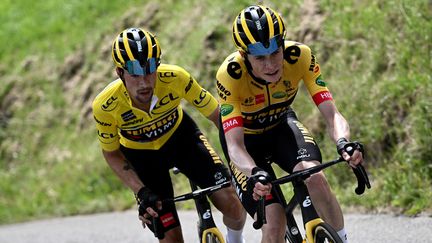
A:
{"points": [[145, 81], [270, 63]]}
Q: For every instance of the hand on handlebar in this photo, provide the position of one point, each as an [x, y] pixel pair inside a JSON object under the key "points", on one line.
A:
{"points": [[148, 204], [259, 182], [352, 152]]}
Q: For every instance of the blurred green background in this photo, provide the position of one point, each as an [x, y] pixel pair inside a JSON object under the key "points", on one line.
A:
{"points": [[55, 57]]}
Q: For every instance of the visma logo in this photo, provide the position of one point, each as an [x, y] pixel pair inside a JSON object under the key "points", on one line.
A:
{"points": [[307, 202]]}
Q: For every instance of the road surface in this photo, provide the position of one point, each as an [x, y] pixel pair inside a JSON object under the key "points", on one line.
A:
{"points": [[124, 227]]}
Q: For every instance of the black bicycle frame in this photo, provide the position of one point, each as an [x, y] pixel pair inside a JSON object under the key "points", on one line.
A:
{"points": [[301, 194], [202, 206], [203, 209]]}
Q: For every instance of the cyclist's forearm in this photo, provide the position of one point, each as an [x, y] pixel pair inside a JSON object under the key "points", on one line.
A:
{"points": [[241, 158], [123, 170], [339, 128]]}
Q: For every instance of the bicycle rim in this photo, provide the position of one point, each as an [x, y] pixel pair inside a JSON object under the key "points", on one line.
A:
{"points": [[212, 238], [324, 233]]}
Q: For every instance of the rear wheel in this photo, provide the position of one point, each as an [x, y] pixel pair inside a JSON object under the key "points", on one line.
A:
{"points": [[324, 233]]}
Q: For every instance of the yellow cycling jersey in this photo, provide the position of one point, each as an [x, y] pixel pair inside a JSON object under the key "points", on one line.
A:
{"points": [[257, 105], [118, 122]]}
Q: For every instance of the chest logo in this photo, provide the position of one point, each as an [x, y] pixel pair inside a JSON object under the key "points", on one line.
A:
{"points": [[164, 101], [226, 109], [279, 95]]}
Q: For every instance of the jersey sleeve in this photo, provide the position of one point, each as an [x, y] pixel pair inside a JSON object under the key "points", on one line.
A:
{"points": [[106, 128], [228, 96], [196, 95], [313, 79]]}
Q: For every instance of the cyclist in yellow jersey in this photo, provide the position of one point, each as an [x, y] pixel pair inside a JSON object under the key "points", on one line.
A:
{"points": [[144, 132], [256, 86]]}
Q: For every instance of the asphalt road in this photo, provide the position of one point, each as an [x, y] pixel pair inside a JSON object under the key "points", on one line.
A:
{"points": [[124, 227]]}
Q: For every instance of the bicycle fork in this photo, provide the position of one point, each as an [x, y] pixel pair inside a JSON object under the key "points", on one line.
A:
{"points": [[205, 218]]}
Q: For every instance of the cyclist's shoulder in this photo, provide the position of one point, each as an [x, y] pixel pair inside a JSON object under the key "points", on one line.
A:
{"points": [[232, 69], [168, 73], [296, 49], [298, 55], [109, 95], [290, 45]]}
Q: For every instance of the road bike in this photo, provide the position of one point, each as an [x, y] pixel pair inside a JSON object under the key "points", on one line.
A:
{"points": [[207, 229], [316, 230]]}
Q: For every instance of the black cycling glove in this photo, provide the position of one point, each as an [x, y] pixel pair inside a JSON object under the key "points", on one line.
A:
{"points": [[342, 145], [145, 198], [258, 175]]}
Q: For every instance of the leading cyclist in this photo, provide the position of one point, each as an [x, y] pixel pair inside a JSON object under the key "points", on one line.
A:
{"points": [[256, 87], [144, 132]]}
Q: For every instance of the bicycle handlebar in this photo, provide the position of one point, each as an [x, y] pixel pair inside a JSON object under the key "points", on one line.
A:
{"points": [[200, 192], [359, 171], [158, 232]]}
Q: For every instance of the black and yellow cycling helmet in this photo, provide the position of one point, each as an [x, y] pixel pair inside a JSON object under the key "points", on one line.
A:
{"points": [[258, 30], [136, 50]]}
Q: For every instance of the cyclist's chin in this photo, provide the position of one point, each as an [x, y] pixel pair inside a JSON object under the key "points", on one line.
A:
{"points": [[273, 78]]}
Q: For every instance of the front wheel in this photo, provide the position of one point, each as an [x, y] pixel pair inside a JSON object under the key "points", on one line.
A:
{"points": [[211, 237], [324, 233]]}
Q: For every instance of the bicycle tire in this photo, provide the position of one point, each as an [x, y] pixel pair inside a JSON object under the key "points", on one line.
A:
{"points": [[324, 233], [211, 237]]}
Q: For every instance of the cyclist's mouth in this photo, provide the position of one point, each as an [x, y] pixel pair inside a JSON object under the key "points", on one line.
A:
{"points": [[272, 74], [144, 91]]}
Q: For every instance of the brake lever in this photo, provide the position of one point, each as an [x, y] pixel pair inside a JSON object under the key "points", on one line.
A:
{"points": [[360, 173]]}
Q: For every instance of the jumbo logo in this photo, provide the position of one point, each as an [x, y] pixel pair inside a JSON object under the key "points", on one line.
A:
{"points": [[226, 109], [279, 95], [110, 104], [152, 131], [222, 91]]}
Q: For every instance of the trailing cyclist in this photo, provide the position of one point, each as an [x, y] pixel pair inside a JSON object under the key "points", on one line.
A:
{"points": [[256, 86], [143, 132]]}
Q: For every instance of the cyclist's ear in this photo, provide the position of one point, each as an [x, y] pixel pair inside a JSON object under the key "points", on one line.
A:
{"points": [[120, 73]]}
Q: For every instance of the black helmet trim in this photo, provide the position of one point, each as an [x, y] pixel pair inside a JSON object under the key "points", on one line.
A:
{"points": [[135, 44], [257, 24]]}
